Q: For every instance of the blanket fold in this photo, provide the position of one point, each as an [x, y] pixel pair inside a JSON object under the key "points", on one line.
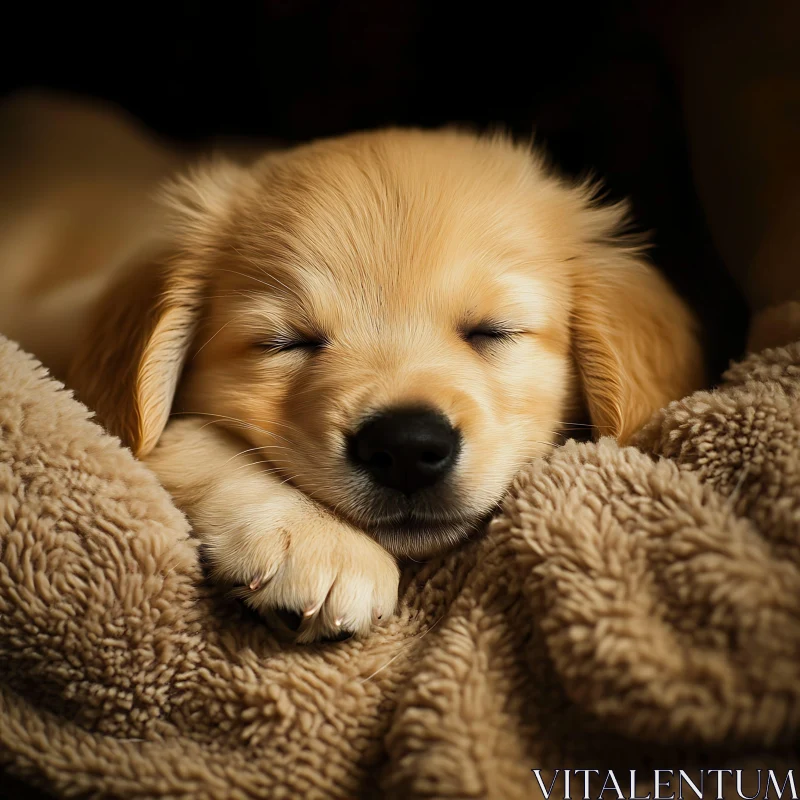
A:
{"points": [[631, 608]]}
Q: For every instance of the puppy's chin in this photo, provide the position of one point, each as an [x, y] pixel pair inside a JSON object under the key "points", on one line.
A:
{"points": [[424, 538]]}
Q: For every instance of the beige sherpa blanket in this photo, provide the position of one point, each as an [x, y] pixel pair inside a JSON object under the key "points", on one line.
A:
{"points": [[631, 609]]}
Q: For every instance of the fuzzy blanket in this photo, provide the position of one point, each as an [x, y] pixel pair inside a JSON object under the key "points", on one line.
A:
{"points": [[632, 608]]}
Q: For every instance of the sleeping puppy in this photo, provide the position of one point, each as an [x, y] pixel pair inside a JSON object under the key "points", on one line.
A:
{"points": [[342, 353]]}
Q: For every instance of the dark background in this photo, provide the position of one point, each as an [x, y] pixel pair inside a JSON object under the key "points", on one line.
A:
{"points": [[592, 80]]}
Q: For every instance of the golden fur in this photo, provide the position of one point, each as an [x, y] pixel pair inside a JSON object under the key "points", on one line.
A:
{"points": [[388, 247]]}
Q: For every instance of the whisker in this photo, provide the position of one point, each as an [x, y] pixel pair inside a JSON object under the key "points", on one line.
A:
{"points": [[264, 272], [402, 650], [243, 424], [208, 341], [249, 277], [223, 418], [285, 425], [578, 424], [255, 464], [253, 449]]}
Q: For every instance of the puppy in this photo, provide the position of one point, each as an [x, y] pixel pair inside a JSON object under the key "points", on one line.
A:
{"points": [[343, 353]]}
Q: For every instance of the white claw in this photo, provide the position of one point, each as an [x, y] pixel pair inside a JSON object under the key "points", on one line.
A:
{"points": [[311, 610], [256, 582]]}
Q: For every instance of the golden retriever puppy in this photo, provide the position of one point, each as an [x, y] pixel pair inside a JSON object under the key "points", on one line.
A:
{"points": [[364, 339]]}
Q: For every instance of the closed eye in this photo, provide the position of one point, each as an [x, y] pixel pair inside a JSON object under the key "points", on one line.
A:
{"points": [[488, 334], [287, 344]]}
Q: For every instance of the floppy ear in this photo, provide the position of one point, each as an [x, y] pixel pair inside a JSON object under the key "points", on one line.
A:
{"points": [[128, 365], [635, 342]]}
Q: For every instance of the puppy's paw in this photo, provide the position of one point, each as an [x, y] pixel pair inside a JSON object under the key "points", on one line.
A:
{"points": [[332, 578]]}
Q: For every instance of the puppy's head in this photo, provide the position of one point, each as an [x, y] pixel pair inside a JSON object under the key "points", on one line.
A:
{"points": [[398, 321]]}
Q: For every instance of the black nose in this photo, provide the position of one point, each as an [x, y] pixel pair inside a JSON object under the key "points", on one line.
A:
{"points": [[406, 449]]}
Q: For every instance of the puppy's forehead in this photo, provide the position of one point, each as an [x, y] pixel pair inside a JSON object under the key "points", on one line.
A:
{"points": [[391, 201], [396, 221]]}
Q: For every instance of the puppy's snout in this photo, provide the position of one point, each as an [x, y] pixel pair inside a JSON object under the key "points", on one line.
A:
{"points": [[406, 449]]}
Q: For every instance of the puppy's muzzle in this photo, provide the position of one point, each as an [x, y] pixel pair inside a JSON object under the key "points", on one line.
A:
{"points": [[406, 449]]}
